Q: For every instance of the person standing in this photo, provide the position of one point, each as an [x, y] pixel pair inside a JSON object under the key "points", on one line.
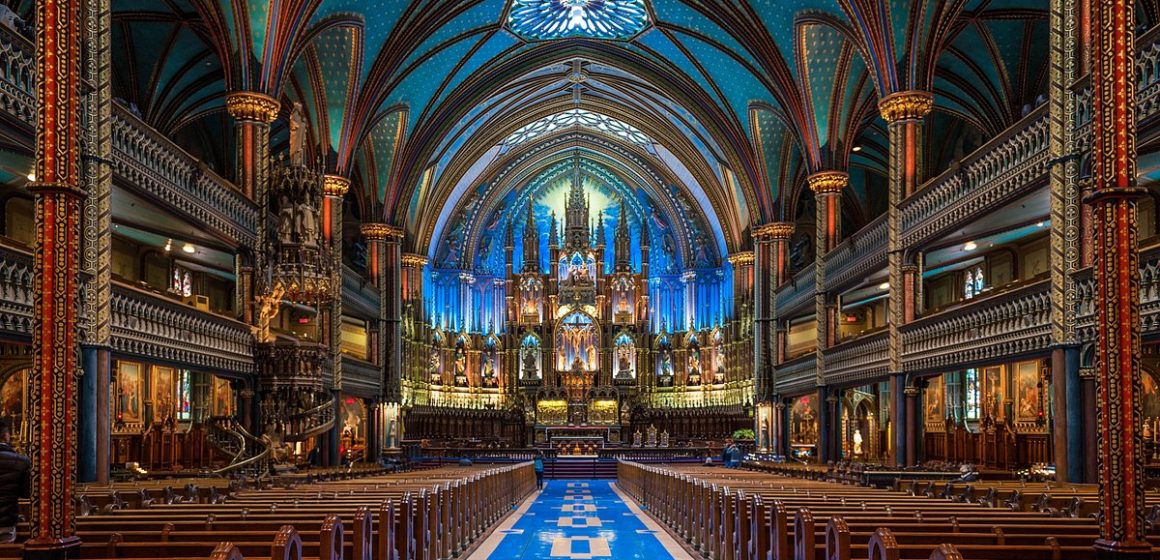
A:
{"points": [[539, 466], [15, 483]]}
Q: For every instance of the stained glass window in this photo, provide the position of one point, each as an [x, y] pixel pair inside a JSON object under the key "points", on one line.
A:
{"points": [[556, 19], [969, 286], [184, 410], [971, 408], [979, 282]]}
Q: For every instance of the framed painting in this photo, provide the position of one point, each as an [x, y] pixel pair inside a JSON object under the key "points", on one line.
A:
{"points": [[223, 397], [164, 393], [128, 394], [1028, 397], [994, 392], [934, 400]]}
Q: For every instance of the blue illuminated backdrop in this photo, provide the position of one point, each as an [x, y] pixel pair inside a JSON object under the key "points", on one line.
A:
{"points": [[599, 19]]}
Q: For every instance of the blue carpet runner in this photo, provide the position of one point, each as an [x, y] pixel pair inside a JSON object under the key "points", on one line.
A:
{"points": [[579, 519]]}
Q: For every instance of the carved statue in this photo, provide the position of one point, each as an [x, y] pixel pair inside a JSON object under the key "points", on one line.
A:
{"points": [[857, 441], [307, 225], [267, 308], [297, 134], [529, 366]]}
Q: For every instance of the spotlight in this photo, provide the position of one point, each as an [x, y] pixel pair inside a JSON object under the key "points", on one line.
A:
{"points": [[189, 248], [884, 286], [31, 176], [168, 245], [1040, 224], [970, 246], [856, 149]]}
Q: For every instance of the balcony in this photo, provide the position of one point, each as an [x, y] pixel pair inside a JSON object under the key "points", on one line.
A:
{"points": [[796, 376], [156, 327], [142, 159], [360, 377], [857, 361], [792, 297], [858, 256], [999, 326], [359, 297], [1085, 286], [15, 292]]}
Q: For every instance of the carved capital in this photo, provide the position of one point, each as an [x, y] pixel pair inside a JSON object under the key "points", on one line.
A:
{"points": [[742, 258], [252, 106], [828, 182], [335, 185], [374, 231], [905, 106], [774, 230], [910, 391], [414, 261]]}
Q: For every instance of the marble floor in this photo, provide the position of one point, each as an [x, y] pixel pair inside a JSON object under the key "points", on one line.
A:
{"points": [[579, 519]]}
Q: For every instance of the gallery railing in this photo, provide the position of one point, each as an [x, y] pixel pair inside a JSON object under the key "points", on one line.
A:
{"points": [[15, 291], [796, 376], [793, 296], [865, 358]]}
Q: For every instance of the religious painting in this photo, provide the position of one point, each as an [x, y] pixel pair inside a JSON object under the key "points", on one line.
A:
{"points": [[1028, 399], [934, 400], [994, 392], [128, 393], [1150, 395], [223, 397], [804, 421], [13, 399], [164, 393], [353, 421]]}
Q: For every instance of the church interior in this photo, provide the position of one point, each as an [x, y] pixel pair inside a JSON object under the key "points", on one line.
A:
{"points": [[743, 280]]}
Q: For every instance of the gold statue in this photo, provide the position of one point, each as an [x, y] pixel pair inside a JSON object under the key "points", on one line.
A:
{"points": [[267, 308]]}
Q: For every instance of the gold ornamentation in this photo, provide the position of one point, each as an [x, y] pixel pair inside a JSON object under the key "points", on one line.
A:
{"points": [[905, 105], [775, 230], [825, 182], [335, 185], [374, 231], [414, 261], [252, 106], [741, 259]]}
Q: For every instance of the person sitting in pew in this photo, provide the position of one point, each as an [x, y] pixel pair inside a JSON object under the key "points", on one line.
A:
{"points": [[15, 483]]}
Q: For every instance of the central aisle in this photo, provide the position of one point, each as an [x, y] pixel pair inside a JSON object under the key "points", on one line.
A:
{"points": [[579, 519]]}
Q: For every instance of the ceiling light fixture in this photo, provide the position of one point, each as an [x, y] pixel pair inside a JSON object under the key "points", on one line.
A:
{"points": [[1040, 224], [31, 176], [189, 248], [856, 149], [970, 246], [884, 286], [168, 245]]}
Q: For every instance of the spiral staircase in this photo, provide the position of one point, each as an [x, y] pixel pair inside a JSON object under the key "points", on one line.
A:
{"points": [[249, 456]]}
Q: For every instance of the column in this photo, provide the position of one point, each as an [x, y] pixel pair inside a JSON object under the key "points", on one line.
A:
{"points": [[911, 429], [384, 259], [1117, 272], [58, 196], [827, 187], [904, 113], [1067, 417], [334, 190]]}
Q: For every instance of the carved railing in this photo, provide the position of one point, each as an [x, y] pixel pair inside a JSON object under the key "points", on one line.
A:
{"points": [[359, 296], [309, 423], [1004, 325], [15, 292], [796, 376], [154, 326], [1001, 170], [360, 376], [248, 455], [862, 359], [1147, 92], [858, 256], [142, 158], [795, 294], [1085, 286]]}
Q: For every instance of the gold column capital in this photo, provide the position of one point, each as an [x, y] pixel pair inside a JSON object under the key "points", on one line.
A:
{"points": [[335, 185], [775, 230], [906, 105], [414, 261], [828, 182], [375, 231], [252, 106], [741, 258]]}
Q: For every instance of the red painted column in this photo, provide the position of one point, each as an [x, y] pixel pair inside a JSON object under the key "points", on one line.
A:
{"points": [[1117, 270], [53, 394]]}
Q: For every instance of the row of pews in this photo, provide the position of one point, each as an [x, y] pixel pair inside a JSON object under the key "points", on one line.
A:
{"points": [[422, 515], [729, 514]]}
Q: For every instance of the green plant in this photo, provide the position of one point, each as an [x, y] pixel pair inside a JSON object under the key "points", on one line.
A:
{"points": [[744, 433]]}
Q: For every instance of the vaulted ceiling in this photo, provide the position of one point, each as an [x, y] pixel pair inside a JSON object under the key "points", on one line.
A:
{"points": [[739, 101]]}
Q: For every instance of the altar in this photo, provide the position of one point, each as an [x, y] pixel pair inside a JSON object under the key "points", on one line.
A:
{"points": [[585, 440]]}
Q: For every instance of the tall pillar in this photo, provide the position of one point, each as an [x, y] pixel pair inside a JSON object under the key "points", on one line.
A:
{"points": [[1117, 272], [1067, 420], [253, 112], [94, 427], [911, 429], [904, 113], [384, 243], [827, 187], [58, 195]]}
